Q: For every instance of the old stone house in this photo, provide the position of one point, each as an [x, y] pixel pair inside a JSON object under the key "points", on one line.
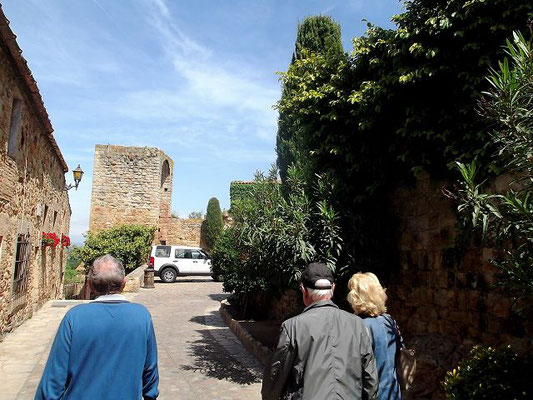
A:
{"points": [[133, 185], [32, 195]]}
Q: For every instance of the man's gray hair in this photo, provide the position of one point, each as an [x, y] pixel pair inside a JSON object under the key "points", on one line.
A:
{"points": [[318, 294], [107, 275]]}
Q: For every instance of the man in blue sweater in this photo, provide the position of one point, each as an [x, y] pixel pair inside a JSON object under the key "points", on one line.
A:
{"points": [[105, 349]]}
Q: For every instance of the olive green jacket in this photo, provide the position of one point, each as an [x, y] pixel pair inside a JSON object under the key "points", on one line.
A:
{"points": [[322, 354]]}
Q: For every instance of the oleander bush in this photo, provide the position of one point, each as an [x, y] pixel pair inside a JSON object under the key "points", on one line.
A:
{"points": [[490, 373], [274, 237], [506, 219]]}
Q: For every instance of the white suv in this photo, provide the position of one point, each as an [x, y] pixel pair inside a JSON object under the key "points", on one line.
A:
{"points": [[171, 261]]}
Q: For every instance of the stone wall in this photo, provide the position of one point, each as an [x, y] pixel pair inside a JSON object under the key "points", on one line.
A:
{"points": [[133, 185], [186, 232], [32, 195], [443, 296], [128, 187]]}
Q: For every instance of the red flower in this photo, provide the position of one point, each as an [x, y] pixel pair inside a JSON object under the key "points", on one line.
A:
{"points": [[49, 239], [65, 241]]}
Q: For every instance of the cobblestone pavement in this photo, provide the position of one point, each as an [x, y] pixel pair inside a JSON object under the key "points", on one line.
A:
{"points": [[199, 357]]}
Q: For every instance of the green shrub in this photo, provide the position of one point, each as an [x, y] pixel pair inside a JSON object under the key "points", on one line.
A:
{"points": [[73, 257], [73, 276], [506, 219], [490, 373], [225, 255], [273, 237], [240, 191], [213, 222], [129, 243]]}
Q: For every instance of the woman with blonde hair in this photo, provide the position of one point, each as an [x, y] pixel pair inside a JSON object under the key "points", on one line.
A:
{"points": [[367, 298]]}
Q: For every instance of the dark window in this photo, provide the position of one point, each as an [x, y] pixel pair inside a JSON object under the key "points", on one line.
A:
{"points": [[55, 218], [22, 260], [162, 251], [45, 214], [183, 253], [197, 254], [14, 127]]}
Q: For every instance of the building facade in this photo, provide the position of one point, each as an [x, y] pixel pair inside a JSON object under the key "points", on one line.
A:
{"points": [[32, 195], [133, 185]]}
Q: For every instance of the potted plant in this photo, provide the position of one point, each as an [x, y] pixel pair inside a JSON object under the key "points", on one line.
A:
{"points": [[49, 239]]}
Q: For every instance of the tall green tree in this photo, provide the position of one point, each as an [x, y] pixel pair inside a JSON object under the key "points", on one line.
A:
{"points": [[213, 222], [316, 35]]}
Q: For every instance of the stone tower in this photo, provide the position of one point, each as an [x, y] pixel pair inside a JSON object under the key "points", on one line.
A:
{"points": [[131, 185]]}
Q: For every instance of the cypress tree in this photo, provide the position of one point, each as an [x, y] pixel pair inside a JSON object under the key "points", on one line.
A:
{"points": [[213, 222], [316, 34]]}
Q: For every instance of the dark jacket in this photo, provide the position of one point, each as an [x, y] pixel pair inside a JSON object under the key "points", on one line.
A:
{"points": [[322, 354]]}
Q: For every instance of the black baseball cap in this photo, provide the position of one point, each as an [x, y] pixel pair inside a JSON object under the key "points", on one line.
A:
{"points": [[317, 276]]}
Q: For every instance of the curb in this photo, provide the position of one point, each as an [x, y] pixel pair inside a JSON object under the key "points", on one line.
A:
{"points": [[254, 347]]}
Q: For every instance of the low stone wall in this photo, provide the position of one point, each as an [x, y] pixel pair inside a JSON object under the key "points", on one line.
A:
{"points": [[135, 280], [72, 291], [260, 352]]}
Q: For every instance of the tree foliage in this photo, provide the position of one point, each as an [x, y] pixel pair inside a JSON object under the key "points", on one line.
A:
{"points": [[129, 243], [196, 214], [506, 219], [405, 101], [317, 35], [213, 222], [239, 190], [274, 237]]}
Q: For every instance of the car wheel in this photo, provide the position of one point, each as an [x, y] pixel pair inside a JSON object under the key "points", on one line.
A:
{"points": [[168, 275]]}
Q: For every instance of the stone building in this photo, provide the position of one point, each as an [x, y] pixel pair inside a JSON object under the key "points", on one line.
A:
{"points": [[133, 185], [32, 195]]}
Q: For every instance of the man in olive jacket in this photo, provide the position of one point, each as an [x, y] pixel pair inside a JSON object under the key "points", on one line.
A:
{"points": [[324, 353]]}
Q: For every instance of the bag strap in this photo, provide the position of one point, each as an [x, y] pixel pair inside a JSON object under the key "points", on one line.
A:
{"points": [[400, 344]]}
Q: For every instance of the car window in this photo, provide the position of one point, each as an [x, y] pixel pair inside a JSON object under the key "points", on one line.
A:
{"points": [[197, 254], [162, 251], [188, 254], [180, 253]]}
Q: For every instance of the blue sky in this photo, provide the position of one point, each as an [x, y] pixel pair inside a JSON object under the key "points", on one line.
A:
{"points": [[195, 78]]}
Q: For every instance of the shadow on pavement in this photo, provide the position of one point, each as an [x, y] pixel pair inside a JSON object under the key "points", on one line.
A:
{"points": [[219, 296], [201, 319], [211, 359]]}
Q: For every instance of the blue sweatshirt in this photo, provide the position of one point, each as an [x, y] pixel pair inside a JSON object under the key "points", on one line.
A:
{"points": [[102, 350]]}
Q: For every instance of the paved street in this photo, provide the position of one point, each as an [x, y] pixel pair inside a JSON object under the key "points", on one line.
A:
{"points": [[199, 357]]}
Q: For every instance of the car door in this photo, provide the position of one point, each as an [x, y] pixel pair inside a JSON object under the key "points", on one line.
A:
{"points": [[161, 256], [182, 259], [199, 262]]}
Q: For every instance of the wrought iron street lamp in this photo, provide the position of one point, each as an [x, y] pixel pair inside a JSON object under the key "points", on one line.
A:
{"points": [[77, 174]]}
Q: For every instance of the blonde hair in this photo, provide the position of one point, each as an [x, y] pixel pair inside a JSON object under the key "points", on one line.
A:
{"points": [[366, 295]]}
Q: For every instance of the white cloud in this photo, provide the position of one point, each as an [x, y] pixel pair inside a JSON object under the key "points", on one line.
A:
{"points": [[209, 88]]}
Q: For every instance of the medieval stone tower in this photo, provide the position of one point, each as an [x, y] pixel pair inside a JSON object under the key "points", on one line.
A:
{"points": [[133, 185]]}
